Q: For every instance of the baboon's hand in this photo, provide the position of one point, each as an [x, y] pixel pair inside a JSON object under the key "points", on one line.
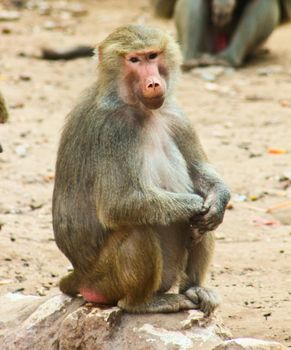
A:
{"points": [[214, 208], [182, 206], [195, 205]]}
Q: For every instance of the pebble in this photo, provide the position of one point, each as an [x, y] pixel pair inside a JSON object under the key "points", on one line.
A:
{"points": [[9, 16], [21, 151], [239, 198], [209, 73], [25, 76], [268, 70]]}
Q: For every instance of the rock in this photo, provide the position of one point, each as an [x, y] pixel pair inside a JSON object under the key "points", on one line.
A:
{"points": [[9, 16], [25, 76], [50, 25], [256, 97], [35, 204], [284, 103], [209, 73], [31, 322], [21, 151], [268, 70], [222, 90], [77, 9], [249, 344], [14, 309], [7, 29], [239, 197], [4, 281], [63, 323], [286, 176]]}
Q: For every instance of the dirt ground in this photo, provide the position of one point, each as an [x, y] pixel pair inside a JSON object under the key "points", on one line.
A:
{"points": [[239, 116]]}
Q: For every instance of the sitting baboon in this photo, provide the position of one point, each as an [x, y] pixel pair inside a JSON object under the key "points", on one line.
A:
{"points": [[135, 200]]}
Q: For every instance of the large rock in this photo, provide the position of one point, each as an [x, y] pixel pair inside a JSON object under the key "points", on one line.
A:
{"points": [[62, 323], [93, 328], [32, 323]]}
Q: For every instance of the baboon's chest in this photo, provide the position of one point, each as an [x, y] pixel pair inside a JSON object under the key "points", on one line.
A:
{"points": [[164, 164]]}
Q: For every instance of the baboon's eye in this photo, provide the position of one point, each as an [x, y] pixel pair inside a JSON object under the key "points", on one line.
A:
{"points": [[153, 55], [133, 59]]}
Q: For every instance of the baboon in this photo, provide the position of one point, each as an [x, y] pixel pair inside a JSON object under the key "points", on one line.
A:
{"points": [[223, 32], [135, 199]]}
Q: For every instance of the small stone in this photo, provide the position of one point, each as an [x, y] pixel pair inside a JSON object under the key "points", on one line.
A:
{"points": [[16, 105], [230, 205], [5, 281], [268, 70], [285, 176], [21, 151], [50, 25], [284, 103], [223, 90], [25, 76], [255, 155], [35, 204], [9, 15], [7, 29], [239, 198], [209, 73], [48, 177], [255, 98], [77, 9], [41, 291]]}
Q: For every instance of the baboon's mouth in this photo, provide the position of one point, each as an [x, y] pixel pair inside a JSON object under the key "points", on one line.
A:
{"points": [[153, 102]]}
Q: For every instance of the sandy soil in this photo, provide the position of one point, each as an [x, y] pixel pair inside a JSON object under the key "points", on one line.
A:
{"points": [[239, 117]]}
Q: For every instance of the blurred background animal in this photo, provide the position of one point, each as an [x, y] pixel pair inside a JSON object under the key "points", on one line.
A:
{"points": [[223, 32]]}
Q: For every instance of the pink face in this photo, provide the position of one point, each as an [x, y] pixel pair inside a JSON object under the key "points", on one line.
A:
{"points": [[145, 75]]}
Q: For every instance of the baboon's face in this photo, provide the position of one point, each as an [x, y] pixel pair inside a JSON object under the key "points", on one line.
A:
{"points": [[145, 75]]}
